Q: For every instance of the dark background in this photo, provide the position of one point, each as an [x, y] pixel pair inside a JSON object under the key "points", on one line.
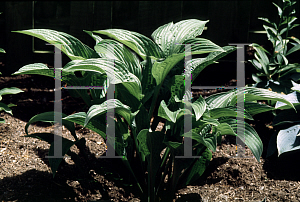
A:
{"points": [[231, 21]]}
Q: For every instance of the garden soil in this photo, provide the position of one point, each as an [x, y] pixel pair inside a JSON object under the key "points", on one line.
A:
{"points": [[25, 174]]}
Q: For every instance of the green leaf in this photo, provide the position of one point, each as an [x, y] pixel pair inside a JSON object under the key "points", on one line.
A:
{"points": [[2, 120], [5, 108], [262, 58], [248, 136], [279, 10], [115, 70], [289, 21], [256, 64], [197, 65], [121, 53], [254, 94], [199, 46], [96, 125], [256, 108], [139, 43], [294, 49], [219, 100], [271, 33], [265, 19], [161, 69], [208, 140], [256, 78], [295, 39], [286, 62], [199, 107], [49, 117], [119, 107], [165, 113], [229, 111], [251, 94], [168, 35], [11, 105], [225, 129], [2, 50], [37, 68], [12, 90], [72, 47]]}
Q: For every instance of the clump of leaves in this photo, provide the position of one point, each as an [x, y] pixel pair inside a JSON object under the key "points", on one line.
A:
{"points": [[274, 70]]}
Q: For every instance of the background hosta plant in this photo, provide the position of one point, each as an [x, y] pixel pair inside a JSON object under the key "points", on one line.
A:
{"points": [[150, 84], [275, 72], [287, 123]]}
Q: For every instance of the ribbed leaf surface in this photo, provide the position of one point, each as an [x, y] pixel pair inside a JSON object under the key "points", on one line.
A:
{"points": [[139, 43], [72, 47]]}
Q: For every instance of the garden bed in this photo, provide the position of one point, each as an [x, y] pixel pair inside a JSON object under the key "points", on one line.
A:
{"points": [[25, 174]]}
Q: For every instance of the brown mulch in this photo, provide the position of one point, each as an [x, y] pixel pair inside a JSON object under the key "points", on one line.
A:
{"points": [[25, 174]]}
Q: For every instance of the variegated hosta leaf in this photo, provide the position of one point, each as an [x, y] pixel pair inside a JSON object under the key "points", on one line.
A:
{"points": [[139, 43], [256, 108], [199, 107], [111, 49], [36, 68], [197, 65], [71, 46], [254, 94], [200, 45], [219, 100], [11, 90], [67, 77], [168, 35], [162, 68], [251, 94], [120, 108], [248, 136], [225, 129], [115, 70], [229, 111]]}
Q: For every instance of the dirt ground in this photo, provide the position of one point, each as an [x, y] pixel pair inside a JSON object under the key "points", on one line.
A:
{"points": [[25, 174]]}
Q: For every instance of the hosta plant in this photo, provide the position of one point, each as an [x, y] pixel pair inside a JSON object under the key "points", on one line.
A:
{"points": [[287, 124], [149, 83], [275, 72]]}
